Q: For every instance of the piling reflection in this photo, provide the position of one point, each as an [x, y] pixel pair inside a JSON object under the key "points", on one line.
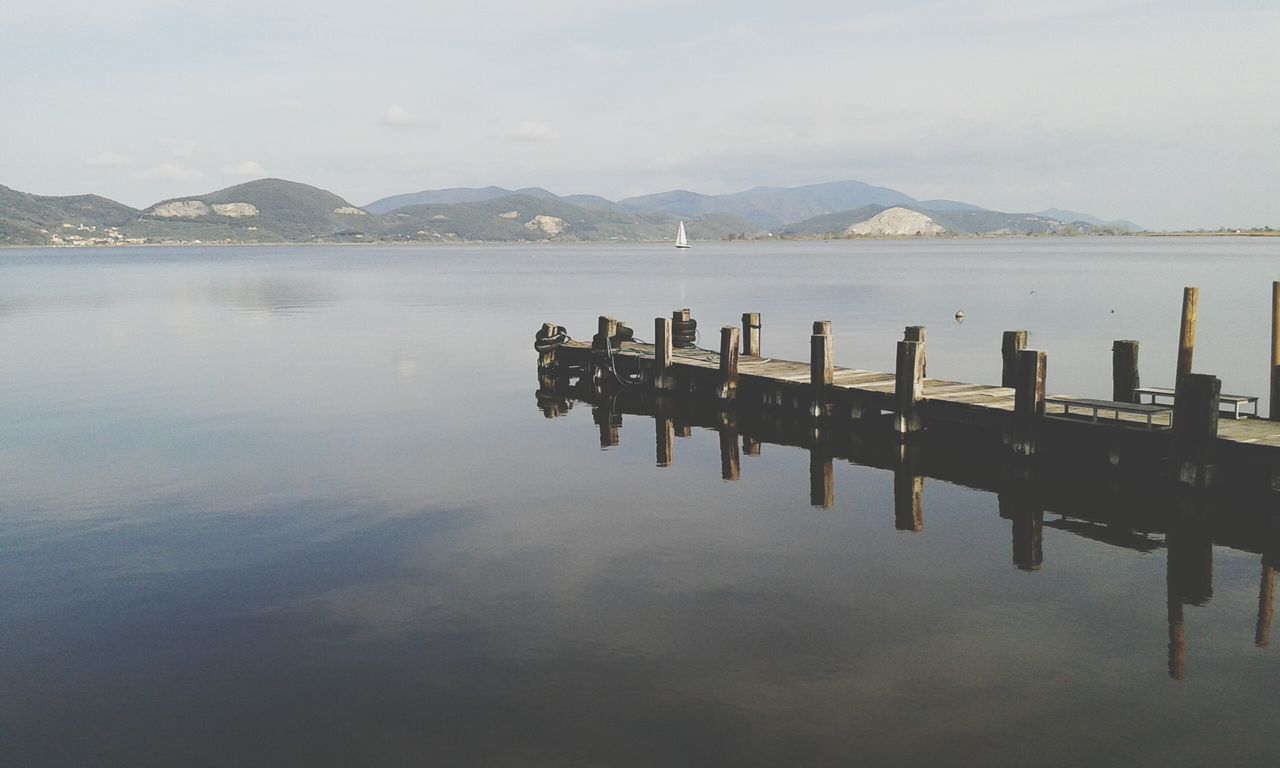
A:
{"points": [[1029, 496], [908, 491]]}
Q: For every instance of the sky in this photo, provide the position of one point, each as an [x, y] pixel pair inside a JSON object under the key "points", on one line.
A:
{"points": [[1164, 113]]}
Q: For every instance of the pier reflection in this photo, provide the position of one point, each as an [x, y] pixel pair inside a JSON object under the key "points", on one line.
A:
{"points": [[1091, 502]]}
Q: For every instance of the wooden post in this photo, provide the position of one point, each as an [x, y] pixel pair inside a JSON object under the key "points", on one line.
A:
{"points": [[1186, 335], [916, 333], [750, 446], [1195, 428], [1124, 370], [547, 360], [822, 489], [661, 352], [728, 362], [751, 334], [1028, 401], [909, 386], [1011, 344], [606, 330], [821, 364], [1275, 350]]}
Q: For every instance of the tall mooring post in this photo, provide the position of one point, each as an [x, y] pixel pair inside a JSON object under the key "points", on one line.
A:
{"points": [[1275, 350], [661, 353], [916, 333], [1186, 335], [1124, 370], [751, 334], [728, 362], [1195, 428], [1011, 344], [909, 387], [1028, 401], [821, 364]]}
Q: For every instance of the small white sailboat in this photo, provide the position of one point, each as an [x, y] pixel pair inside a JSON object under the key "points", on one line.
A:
{"points": [[682, 241]]}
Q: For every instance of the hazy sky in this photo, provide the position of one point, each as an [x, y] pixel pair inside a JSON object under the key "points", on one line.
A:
{"points": [[1167, 113]]}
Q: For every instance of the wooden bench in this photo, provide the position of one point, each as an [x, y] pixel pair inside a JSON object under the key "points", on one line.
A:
{"points": [[1229, 403], [1140, 409]]}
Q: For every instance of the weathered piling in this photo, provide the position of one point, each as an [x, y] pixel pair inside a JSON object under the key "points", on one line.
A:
{"points": [[728, 362], [1028, 402], [1195, 429], [1275, 350], [751, 334], [661, 353], [750, 446], [1186, 334], [544, 337], [916, 333], [821, 364], [1011, 344], [1124, 370], [908, 387]]}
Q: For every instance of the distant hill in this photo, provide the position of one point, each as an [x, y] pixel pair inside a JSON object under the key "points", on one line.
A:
{"points": [[519, 217], [1068, 217], [27, 219], [262, 210], [453, 195], [955, 220], [276, 210], [772, 207]]}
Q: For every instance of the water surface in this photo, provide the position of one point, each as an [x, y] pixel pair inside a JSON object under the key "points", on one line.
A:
{"points": [[297, 506]]}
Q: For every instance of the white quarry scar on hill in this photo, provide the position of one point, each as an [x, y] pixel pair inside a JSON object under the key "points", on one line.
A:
{"points": [[900, 222]]}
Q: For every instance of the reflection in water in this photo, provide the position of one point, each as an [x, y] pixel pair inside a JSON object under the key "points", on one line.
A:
{"points": [[822, 489], [1021, 498], [1266, 591]]}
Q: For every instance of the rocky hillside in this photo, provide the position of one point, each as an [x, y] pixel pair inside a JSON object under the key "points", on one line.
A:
{"points": [[276, 210], [263, 210]]}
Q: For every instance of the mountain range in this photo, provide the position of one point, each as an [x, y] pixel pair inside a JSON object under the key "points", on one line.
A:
{"points": [[276, 210]]}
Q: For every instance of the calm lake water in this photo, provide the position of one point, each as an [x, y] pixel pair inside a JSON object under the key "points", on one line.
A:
{"points": [[297, 506]]}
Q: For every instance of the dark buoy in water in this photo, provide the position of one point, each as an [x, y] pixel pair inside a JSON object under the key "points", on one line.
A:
{"points": [[959, 315]]}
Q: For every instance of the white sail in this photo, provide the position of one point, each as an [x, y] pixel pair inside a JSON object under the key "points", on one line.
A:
{"points": [[682, 241]]}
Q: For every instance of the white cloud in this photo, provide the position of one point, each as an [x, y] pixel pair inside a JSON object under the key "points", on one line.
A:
{"points": [[398, 117], [171, 172], [530, 130], [108, 160], [249, 168], [183, 147]]}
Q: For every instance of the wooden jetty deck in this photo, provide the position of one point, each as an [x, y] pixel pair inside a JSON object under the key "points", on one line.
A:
{"points": [[1190, 439]]}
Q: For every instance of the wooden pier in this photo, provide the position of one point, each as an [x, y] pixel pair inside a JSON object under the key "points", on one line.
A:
{"points": [[1188, 443]]}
